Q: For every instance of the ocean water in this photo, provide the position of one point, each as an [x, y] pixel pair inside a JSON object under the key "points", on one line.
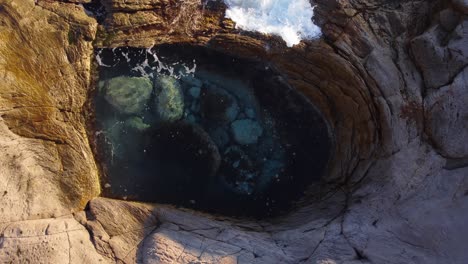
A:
{"points": [[196, 128], [291, 20]]}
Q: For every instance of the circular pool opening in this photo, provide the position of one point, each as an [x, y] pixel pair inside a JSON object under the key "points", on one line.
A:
{"points": [[197, 128]]}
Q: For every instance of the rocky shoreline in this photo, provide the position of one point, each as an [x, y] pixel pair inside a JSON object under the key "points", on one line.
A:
{"points": [[388, 76]]}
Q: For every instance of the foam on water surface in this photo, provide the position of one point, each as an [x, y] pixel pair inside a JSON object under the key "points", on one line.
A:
{"points": [[289, 19]]}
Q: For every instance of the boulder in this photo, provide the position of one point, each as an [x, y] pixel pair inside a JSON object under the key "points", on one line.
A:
{"points": [[246, 131], [169, 98], [129, 95], [137, 123], [447, 117], [441, 55], [218, 105]]}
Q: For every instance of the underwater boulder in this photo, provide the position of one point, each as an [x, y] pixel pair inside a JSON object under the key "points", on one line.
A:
{"points": [[184, 151], [136, 123], [195, 91], [246, 131], [220, 136], [128, 95], [169, 100], [218, 105], [239, 170]]}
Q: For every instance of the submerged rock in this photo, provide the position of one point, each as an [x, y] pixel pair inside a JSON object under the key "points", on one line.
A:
{"points": [[128, 95], [219, 136], [194, 92], [218, 105], [169, 100], [137, 123], [239, 170], [184, 151], [250, 112], [246, 131], [190, 80]]}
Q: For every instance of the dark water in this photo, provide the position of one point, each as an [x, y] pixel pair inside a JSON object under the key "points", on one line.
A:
{"points": [[196, 128]]}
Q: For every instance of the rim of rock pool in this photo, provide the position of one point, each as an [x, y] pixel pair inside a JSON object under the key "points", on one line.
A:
{"points": [[292, 204]]}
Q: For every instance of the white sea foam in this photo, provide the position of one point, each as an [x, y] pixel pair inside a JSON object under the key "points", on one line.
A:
{"points": [[290, 19]]}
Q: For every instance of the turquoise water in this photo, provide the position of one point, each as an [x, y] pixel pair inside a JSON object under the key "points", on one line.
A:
{"points": [[196, 128]]}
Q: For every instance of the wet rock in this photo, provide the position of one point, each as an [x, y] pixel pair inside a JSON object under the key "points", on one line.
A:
{"points": [[169, 99], [194, 92], [239, 170], [137, 123], [250, 113], [246, 131], [195, 107], [191, 81], [129, 95], [191, 118], [220, 136], [218, 105], [182, 147]]}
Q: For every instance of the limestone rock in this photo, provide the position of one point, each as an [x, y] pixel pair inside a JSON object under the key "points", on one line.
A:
{"points": [[169, 99], [129, 95], [220, 137], [194, 92]]}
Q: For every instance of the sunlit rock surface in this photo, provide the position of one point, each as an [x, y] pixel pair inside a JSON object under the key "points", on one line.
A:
{"points": [[402, 192]]}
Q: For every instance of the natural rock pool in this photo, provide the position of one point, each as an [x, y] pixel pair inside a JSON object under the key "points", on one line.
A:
{"points": [[193, 127]]}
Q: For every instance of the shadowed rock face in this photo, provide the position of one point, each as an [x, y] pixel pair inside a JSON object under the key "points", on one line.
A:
{"points": [[388, 76]]}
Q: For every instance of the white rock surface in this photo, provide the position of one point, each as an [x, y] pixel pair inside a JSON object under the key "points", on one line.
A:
{"points": [[52, 240]]}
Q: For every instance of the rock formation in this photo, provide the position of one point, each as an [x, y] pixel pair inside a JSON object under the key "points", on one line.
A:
{"points": [[169, 102], [129, 95], [390, 77]]}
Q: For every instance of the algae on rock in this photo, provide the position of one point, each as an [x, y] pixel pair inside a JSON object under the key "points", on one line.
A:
{"points": [[169, 100], [129, 95]]}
